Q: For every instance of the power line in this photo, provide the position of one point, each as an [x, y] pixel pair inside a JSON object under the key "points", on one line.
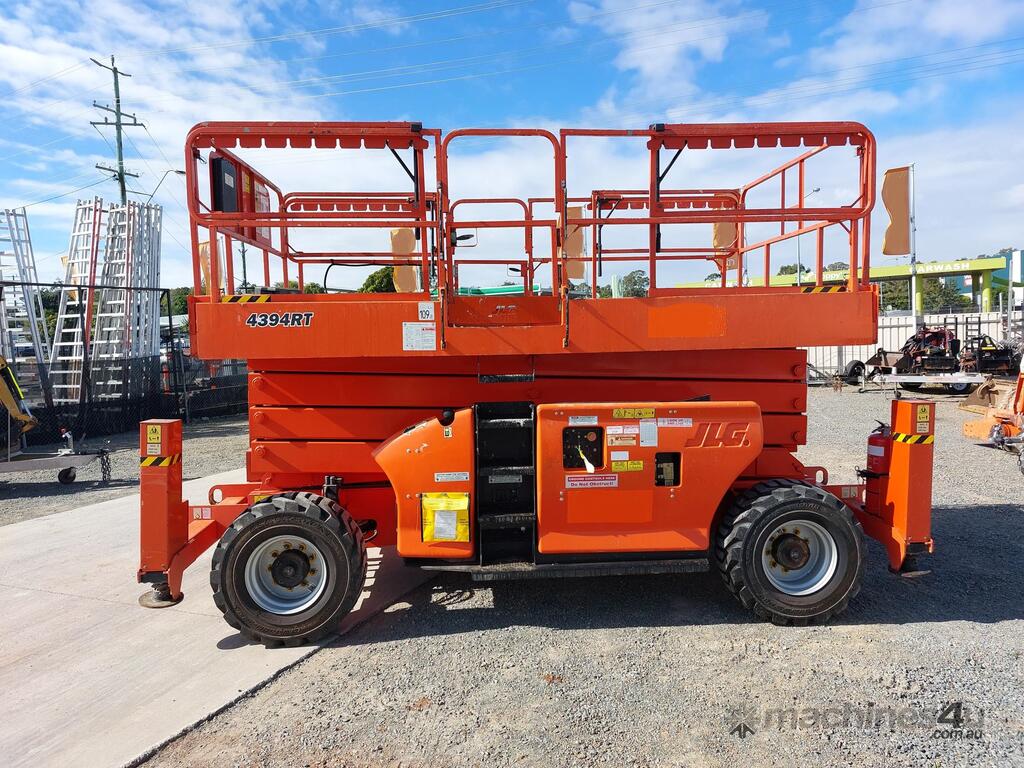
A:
{"points": [[347, 29], [63, 194], [440, 41], [47, 78]]}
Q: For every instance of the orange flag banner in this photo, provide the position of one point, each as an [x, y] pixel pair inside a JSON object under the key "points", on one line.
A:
{"points": [[896, 197]]}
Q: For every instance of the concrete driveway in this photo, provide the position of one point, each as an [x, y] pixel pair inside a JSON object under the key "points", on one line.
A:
{"points": [[88, 676]]}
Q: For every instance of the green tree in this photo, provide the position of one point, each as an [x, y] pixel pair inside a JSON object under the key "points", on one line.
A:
{"points": [[790, 269], [636, 283], [713, 276], [604, 291], [894, 294], [836, 266], [381, 281], [313, 288], [939, 297]]}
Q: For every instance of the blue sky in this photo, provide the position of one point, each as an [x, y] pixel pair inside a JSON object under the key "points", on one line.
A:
{"points": [[940, 82]]}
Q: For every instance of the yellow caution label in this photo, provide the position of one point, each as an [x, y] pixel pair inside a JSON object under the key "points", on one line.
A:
{"points": [[159, 461], [922, 413], [445, 516], [633, 465], [899, 437], [154, 433], [632, 413]]}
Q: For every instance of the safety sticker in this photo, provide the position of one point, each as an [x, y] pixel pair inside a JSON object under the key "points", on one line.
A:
{"points": [[591, 481], [160, 461], [450, 477], [922, 413], [624, 429], [504, 479], [922, 427], [583, 421], [425, 310], [419, 337], [622, 440], [627, 466], [648, 433], [620, 455], [153, 433], [152, 449], [899, 437], [445, 516], [675, 422], [201, 513], [633, 413]]}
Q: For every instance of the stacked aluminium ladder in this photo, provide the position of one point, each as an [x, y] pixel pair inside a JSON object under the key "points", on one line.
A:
{"points": [[72, 334], [109, 310], [24, 338]]}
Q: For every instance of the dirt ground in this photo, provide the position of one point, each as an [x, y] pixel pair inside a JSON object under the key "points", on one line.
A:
{"points": [[671, 671], [208, 446]]}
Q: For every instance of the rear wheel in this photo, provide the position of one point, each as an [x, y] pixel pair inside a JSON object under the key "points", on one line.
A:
{"points": [[959, 388], [288, 569], [791, 552], [67, 476]]}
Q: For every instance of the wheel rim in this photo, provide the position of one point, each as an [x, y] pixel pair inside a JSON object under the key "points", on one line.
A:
{"points": [[799, 557], [286, 575]]}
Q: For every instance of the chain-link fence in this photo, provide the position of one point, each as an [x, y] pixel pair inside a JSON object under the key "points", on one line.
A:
{"points": [[94, 388]]}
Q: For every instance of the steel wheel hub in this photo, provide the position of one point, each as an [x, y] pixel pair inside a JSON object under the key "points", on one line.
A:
{"points": [[285, 575], [799, 557]]}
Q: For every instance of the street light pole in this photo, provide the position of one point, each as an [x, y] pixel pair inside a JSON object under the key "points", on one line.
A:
{"points": [[799, 264], [166, 174]]}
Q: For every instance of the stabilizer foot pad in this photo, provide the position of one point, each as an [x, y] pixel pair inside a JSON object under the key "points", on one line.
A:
{"points": [[156, 598]]}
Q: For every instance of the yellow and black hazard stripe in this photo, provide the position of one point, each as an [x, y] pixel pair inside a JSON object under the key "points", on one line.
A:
{"points": [[823, 288], [246, 298], [899, 437], [159, 461]]}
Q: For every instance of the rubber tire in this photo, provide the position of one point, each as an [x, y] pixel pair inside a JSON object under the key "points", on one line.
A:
{"points": [[911, 386], [959, 389], [757, 511], [315, 517], [67, 476], [854, 371]]}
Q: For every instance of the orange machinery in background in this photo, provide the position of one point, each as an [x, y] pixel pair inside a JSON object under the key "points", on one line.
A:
{"points": [[546, 433]]}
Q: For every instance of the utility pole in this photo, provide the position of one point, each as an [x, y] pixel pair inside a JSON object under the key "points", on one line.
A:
{"points": [[913, 248], [119, 125]]}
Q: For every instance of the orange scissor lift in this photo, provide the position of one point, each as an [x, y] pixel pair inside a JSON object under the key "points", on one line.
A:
{"points": [[550, 432]]}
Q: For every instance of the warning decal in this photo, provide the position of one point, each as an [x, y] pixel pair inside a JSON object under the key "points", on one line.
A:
{"points": [[419, 337], [627, 466], [675, 422], [591, 481], [633, 413], [153, 433]]}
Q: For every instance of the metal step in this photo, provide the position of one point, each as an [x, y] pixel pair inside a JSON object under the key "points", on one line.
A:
{"points": [[505, 424], [506, 521]]}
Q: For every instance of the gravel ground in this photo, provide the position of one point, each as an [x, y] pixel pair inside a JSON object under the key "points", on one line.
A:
{"points": [[209, 446], [661, 671]]}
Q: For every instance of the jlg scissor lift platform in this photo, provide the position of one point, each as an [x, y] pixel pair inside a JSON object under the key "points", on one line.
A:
{"points": [[542, 434]]}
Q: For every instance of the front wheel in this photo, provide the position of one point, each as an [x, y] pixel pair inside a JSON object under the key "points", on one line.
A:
{"points": [[791, 552], [288, 569]]}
